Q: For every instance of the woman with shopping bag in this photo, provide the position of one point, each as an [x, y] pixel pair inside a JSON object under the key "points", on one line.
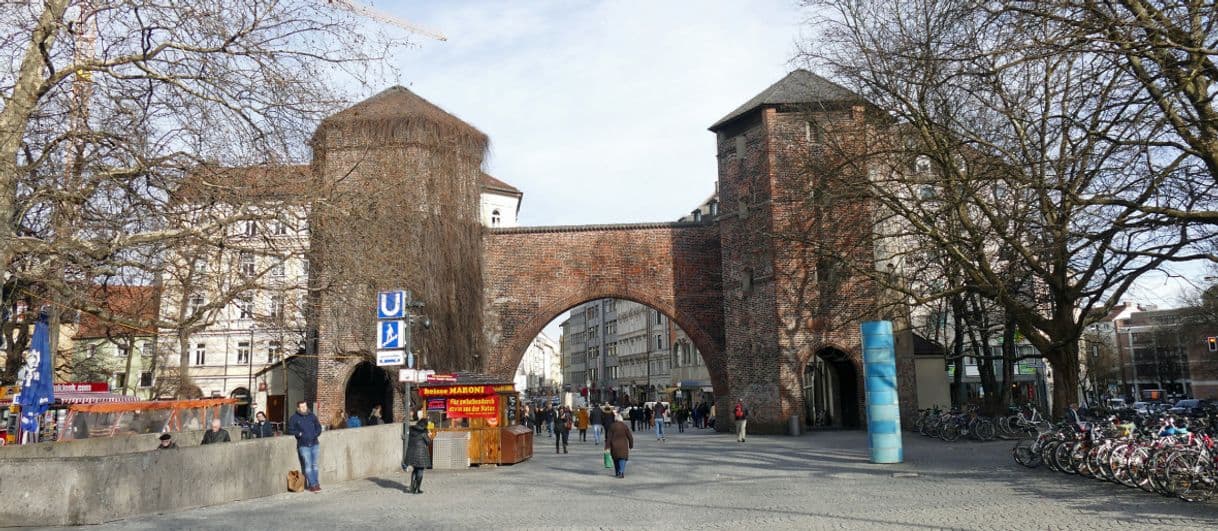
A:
{"points": [[618, 442]]}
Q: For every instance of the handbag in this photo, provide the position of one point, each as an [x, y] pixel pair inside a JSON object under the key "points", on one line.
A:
{"points": [[296, 481], [608, 460]]}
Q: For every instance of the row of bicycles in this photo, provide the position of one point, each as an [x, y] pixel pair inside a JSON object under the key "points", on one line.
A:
{"points": [[1157, 453], [952, 425]]}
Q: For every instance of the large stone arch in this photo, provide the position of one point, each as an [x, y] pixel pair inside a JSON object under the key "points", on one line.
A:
{"points": [[534, 274]]}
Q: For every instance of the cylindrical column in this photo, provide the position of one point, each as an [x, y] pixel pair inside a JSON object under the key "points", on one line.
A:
{"points": [[883, 412]]}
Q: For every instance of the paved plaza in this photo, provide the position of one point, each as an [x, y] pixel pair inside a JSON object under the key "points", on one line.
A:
{"points": [[700, 480]]}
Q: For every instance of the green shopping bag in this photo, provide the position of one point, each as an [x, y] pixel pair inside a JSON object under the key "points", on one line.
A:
{"points": [[608, 460]]}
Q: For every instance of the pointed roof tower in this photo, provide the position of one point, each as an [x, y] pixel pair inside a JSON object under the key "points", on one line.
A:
{"points": [[397, 112], [798, 87]]}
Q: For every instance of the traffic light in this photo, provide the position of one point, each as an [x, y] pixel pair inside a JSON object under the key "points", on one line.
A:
{"points": [[1212, 342]]}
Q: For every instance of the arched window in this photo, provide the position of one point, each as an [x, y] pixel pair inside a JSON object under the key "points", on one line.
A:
{"points": [[495, 217]]}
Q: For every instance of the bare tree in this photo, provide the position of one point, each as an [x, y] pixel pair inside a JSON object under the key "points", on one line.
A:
{"points": [[109, 107], [993, 154], [1169, 50]]}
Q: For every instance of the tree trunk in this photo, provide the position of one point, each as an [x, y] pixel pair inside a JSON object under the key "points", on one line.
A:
{"points": [[15, 116], [184, 382], [1064, 360]]}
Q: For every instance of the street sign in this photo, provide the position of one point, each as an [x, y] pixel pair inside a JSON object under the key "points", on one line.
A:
{"points": [[391, 305], [390, 358], [414, 375], [389, 335]]}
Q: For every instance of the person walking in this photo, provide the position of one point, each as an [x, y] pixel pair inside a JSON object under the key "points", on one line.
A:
{"points": [[215, 434], [581, 422], [550, 420], [696, 411], [658, 415], [306, 428], [649, 417], [262, 428], [618, 441], [741, 413], [562, 428], [597, 420], [682, 415], [418, 454]]}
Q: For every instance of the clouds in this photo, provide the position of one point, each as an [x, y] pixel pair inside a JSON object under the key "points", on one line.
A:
{"points": [[598, 110]]}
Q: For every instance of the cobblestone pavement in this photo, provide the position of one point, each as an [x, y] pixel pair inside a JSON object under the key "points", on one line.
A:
{"points": [[708, 480]]}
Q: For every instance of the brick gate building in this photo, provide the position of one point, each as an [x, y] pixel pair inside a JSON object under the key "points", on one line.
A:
{"points": [[762, 304]]}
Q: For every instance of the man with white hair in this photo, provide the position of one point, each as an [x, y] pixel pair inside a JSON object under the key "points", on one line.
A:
{"points": [[215, 434]]}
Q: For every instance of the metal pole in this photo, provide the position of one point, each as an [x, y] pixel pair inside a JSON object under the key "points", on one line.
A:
{"points": [[249, 379]]}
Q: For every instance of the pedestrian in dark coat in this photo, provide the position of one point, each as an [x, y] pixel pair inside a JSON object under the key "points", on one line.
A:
{"points": [[215, 434], [619, 441], [263, 427], [562, 428], [418, 454]]}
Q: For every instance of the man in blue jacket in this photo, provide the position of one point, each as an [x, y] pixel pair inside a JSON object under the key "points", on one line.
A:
{"points": [[306, 428]]}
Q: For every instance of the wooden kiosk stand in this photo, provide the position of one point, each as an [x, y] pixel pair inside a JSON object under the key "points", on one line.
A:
{"points": [[488, 408]]}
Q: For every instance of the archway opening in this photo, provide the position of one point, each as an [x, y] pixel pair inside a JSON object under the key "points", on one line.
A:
{"points": [[831, 392], [621, 352], [369, 386]]}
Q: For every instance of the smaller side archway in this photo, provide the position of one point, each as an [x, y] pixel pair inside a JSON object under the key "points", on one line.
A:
{"points": [[369, 386], [832, 394]]}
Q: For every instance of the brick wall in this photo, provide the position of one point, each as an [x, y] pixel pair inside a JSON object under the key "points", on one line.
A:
{"points": [[532, 275]]}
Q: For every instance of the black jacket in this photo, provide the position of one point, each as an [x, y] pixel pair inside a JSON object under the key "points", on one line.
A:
{"points": [[418, 447], [262, 429], [594, 416], [215, 437]]}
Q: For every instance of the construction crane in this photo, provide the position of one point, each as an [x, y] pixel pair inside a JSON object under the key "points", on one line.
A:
{"points": [[385, 18]]}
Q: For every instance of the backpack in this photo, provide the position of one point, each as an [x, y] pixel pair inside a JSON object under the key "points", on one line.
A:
{"points": [[739, 411]]}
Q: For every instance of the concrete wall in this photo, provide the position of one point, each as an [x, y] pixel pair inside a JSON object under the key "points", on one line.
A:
{"points": [[103, 446], [91, 490]]}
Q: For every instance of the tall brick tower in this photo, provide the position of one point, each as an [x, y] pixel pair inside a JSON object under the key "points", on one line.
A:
{"points": [[399, 182], [787, 296]]}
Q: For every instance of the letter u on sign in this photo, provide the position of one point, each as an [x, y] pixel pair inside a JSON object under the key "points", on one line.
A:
{"points": [[391, 305]]}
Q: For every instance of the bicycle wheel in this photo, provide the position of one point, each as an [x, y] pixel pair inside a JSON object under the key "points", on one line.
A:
{"points": [[1025, 454], [984, 430], [1061, 455], [1048, 454], [950, 432], [1180, 472], [1204, 485], [1118, 463]]}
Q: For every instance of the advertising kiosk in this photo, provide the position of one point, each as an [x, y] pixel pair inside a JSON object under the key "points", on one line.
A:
{"points": [[485, 407]]}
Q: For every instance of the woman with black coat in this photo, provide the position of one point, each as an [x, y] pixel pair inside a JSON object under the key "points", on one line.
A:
{"points": [[418, 454]]}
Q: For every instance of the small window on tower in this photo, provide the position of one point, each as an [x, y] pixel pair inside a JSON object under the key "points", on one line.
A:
{"points": [[740, 145], [495, 218]]}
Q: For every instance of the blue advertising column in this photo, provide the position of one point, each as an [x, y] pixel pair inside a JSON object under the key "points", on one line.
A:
{"points": [[883, 413]]}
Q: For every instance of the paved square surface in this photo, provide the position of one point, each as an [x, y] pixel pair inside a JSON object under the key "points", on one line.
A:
{"points": [[702, 480]]}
